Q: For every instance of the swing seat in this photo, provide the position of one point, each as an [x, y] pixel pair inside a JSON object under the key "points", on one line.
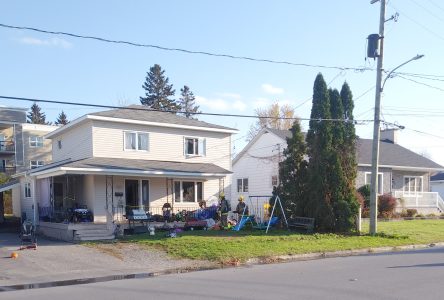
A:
{"points": [[263, 225]]}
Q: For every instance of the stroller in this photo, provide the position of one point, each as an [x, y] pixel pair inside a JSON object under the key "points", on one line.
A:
{"points": [[27, 236]]}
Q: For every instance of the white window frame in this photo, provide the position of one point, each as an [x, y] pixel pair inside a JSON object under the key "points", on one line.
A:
{"points": [[414, 192], [201, 146], [34, 141], [27, 190], [137, 133], [181, 191], [242, 186], [380, 186], [36, 163]]}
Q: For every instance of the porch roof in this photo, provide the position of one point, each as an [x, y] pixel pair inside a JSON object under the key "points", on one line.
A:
{"points": [[133, 167]]}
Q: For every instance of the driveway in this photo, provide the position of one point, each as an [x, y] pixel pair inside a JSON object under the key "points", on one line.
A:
{"points": [[55, 260]]}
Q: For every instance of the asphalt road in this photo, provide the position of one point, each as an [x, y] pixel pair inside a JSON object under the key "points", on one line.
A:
{"points": [[406, 275]]}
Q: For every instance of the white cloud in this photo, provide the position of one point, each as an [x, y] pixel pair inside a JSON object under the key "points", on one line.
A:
{"points": [[231, 95], [220, 104], [52, 42], [269, 89], [261, 102]]}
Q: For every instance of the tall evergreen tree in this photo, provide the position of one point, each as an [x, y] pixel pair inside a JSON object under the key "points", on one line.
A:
{"points": [[292, 174], [36, 116], [62, 119], [158, 91], [319, 146], [187, 102], [349, 145]]}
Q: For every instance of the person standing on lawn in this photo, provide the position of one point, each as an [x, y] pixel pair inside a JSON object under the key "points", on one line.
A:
{"points": [[241, 208], [224, 208]]}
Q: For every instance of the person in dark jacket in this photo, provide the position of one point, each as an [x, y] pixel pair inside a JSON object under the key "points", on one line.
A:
{"points": [[241, 208], [224, 208]]}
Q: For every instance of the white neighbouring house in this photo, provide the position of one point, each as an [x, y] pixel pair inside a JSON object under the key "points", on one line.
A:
{"points": [[402, 173], [107, 162]]}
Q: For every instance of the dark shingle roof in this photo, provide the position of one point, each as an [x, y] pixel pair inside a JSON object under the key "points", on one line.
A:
{"points": [[143, 114], [111, 164], [391, 154]]}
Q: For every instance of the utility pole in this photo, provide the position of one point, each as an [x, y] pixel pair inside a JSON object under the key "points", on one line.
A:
{"points": [[376, 125]]}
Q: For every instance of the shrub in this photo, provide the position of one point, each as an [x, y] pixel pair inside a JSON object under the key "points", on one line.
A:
{"points": [[386, 205], [360, 198], [365, 192], [431, 215], [365, 212], [411, 212]]}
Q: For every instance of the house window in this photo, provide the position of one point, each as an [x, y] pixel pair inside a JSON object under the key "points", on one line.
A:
{"points": [[59, 144], [242, 185], [194, 146], [35, 141], [27, 190], [136, 141], [368, 180], [188, 191], [36, 163], [145, 194], [413, 184], [274, 180]]}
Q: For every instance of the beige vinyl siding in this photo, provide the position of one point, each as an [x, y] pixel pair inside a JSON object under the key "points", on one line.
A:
{"points": [[36, 153], [166, 144], [76, 143]]}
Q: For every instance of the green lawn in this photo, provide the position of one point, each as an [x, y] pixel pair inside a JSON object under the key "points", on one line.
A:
{"points": [[229, 246]]}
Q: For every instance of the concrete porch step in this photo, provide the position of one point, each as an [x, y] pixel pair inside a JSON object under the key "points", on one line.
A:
{"points": [[87, 226], [95, 238], [93, 232]]}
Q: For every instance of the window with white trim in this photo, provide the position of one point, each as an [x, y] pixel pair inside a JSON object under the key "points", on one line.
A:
{"points": [[188, 191], [368, 180], [194, 146], [242, 185], [274, 180], [27, 190], [36, 163], [136, 141], [35, 141], [413, 184]]}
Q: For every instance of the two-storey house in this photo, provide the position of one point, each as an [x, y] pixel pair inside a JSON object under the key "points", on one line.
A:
{"points": [[111, 161]]}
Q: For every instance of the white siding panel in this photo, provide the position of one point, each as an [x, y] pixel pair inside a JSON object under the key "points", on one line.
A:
{"points": [[99, 207], [16, 203], [258, 164], [76, 143], [165, 144]]}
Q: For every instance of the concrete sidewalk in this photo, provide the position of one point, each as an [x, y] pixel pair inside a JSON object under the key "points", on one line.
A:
{"points": [[55, 260]]}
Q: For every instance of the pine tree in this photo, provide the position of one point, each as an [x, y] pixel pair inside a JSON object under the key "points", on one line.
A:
{"points": [[36, 116], [158, 90], [62, 119], [319, 149], [187, 102], [292, 174]]}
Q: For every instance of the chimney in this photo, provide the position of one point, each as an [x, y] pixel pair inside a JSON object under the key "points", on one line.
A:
{"points": [[389, 135]]}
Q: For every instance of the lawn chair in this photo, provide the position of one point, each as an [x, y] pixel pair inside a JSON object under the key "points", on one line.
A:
{"points": [[27, 236]]}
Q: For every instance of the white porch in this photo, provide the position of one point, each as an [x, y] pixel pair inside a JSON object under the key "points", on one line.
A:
{"points": [[424, 202]]}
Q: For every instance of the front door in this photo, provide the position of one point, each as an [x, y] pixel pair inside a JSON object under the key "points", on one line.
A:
{"points": [[132, 194]]}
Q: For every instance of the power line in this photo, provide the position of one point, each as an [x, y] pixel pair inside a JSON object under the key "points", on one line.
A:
{"points": [[422, 83], [174, 111], [265, 60], [427, 10]]}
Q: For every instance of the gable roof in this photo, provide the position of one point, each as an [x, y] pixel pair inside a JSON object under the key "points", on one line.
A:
{"points": [[138, 114], [437, 177], [390, 155]]}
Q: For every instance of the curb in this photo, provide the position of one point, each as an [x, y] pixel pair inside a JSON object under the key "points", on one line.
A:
{"points": [[343, 253]]}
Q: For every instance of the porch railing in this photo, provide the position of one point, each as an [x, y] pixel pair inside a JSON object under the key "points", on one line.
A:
{"points": [[420, 199]]}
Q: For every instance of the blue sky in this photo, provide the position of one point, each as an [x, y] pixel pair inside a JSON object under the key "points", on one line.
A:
{"points": [[331, 33]]}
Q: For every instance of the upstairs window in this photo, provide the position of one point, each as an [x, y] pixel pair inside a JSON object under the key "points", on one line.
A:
{"points": [[242, 185], [194, 146], [36, 163], [35, 141], [135, 140], [27, 190], [274, 180]]}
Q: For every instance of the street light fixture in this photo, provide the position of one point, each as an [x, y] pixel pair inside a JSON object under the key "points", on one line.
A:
{"points": [[376, 133]]}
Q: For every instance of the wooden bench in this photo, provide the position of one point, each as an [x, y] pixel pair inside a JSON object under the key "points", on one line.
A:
{"points": [[302, 222]]}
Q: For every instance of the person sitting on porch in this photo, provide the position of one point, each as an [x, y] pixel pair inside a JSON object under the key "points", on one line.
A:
{"points": [[166, 210]]}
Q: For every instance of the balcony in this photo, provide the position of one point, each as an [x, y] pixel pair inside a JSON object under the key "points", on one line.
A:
{"points": [[9, 171], [7, 147]]}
